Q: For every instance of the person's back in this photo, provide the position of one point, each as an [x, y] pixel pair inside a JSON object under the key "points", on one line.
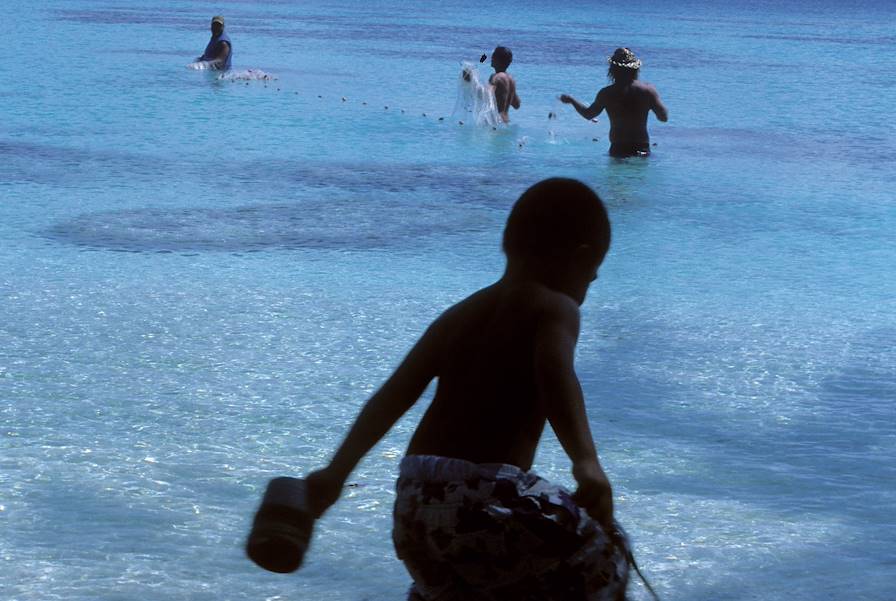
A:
{"points": [[486, 407], [628, 102], [628, 105], [503, 83]]}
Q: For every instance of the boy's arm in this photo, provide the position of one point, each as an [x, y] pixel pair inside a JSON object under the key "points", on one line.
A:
{"points": [[382, 410], [564, 405]]}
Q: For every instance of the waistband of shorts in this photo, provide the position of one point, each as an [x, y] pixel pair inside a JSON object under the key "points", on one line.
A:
{"points": [[435, 468]]}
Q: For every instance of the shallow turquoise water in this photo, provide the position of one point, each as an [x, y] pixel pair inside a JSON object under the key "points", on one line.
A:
{"points": [[201, 282]]}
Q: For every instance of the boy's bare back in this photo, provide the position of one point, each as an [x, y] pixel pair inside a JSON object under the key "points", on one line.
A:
{"points": [[487, 407]]}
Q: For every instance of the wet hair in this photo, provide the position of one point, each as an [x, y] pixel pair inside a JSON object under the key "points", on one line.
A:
{"points": [[555, 217], [503, 55], [622, 75]]}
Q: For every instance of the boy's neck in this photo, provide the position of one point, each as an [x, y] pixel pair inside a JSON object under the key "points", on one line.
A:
{"points": [[553, 275], [518, 272]]}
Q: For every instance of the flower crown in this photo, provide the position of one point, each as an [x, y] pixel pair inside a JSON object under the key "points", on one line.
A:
{"points": [[625, 58]]}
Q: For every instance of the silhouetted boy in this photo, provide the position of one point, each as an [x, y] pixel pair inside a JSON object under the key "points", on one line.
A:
{"points": [[471, 521]]}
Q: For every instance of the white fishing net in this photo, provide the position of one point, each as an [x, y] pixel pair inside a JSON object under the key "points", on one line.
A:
{"points": [[247, 75], [202, 65], [475, 100]]}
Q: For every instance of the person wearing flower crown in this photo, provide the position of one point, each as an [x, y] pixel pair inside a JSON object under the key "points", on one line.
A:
{"points": [[627, 101]]}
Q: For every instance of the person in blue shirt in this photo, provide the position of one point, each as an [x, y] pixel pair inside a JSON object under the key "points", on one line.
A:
{"points": [[219, 50]]}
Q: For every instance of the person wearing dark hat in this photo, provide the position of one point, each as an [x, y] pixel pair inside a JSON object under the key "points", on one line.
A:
{"points": [[219, 50], [627, 102]]}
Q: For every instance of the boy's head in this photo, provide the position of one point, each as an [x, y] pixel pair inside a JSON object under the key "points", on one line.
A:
{"points": [[501, 58], [559, 226]]}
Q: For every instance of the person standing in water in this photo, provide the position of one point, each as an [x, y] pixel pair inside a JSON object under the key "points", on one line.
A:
{"points": [[627, 101], [503, 83], [219, 50]]}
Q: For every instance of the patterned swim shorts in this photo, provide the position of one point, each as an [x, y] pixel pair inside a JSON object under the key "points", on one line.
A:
{"points": [[492, 532]]}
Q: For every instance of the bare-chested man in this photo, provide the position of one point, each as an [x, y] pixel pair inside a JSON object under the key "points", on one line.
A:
{"points": [[505, 86], [627, 101]]}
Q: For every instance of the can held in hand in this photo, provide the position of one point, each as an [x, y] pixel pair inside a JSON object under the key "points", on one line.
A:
{"points": [[282, 528]]}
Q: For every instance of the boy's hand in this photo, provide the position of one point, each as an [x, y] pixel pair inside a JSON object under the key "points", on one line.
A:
{"points": [[594, 493], [324, 488]]}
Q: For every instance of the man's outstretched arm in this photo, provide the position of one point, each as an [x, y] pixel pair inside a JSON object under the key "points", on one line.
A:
{"points": [[588, 112]]}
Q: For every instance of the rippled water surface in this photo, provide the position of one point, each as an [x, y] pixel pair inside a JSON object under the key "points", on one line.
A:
{"points": [[201, 281]]}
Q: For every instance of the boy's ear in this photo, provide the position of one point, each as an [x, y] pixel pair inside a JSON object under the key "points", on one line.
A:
{"points": [[583, 252], [585, 255]]}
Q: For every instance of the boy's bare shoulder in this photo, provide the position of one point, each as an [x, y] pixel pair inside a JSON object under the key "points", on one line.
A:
{"points": [[557, 309], [644, 86], [502, 77], [526, 302]]}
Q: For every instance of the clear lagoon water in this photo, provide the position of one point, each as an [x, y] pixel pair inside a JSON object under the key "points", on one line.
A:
{"points": [[202, 281]]}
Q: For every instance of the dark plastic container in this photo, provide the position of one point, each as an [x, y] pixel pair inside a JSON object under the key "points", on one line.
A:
{"points": [[281, 531]]}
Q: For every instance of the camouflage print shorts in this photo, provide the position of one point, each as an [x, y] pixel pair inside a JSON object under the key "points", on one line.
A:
{"points": [[492, 532]]}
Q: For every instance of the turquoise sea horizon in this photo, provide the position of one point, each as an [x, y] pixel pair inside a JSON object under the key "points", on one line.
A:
{"points": [[201, 282]]}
